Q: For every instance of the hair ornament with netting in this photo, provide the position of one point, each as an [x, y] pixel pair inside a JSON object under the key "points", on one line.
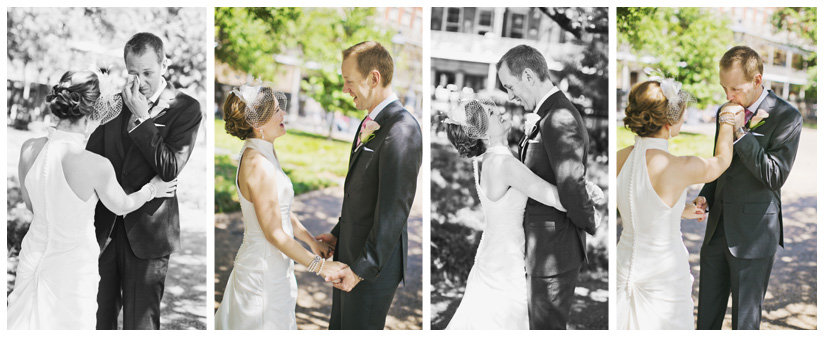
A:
{"points": [[109, 104], [677, 99], [261, 102], [473, 115]]}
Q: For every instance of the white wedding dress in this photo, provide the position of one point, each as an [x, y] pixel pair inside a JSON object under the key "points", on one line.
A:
{"points": [[653, 284], [496, 292], [261, 292], [57, 273]]}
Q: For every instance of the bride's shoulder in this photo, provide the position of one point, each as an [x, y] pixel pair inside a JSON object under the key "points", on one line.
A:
{"points": [[255, 164], [32, 147]]}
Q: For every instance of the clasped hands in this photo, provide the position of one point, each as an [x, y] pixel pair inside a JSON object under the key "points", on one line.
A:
{"points": [[340, 274], [697, 210]]}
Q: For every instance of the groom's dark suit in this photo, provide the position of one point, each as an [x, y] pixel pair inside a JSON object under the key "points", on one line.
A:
{"points": [[556, 150], [745, 222], [372, 231], [136, 248]]}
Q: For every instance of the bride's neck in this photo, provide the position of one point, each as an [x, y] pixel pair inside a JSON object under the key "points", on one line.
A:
{"points": [[498, 141], [69, 126]]}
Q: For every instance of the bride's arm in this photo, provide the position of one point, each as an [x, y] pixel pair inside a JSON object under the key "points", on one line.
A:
{"points": [[303, 234], [260, 181], [518, 176], [112, 195]]}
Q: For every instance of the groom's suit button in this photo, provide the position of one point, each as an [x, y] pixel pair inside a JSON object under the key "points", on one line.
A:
{"points": [[346, 194]]}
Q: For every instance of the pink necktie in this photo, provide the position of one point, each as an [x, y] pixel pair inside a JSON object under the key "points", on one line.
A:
{"points": [[748, 115], [363, 125]]}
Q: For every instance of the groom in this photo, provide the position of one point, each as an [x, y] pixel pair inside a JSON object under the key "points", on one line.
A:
{"points": [[153, 135], [745, 222], [555, 150], [371, 234]]}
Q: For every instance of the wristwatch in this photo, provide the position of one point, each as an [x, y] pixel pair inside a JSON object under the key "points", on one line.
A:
{"points": [[741, 132]]}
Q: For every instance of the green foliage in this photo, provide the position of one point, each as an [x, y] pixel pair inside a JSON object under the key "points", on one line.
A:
{"points": [[802, 22], [248, 39], [686, 144], [686, 42], [311, 161]]}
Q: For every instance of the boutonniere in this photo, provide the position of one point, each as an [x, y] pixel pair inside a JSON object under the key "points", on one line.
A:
{"points": [[758, 119], [530, 121], [367, 132]]}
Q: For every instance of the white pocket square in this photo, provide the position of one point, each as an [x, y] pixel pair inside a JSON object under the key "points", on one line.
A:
{"points": [[368, 149], [159, 125], [533, 141]]}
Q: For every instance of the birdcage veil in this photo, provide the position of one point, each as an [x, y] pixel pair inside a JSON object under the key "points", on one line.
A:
{"points": [[677, 99], [473, 115], [109, 104], [261, 102]]}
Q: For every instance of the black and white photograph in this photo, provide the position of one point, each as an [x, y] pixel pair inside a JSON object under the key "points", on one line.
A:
{"points": [[519, 142], [106, 163]]}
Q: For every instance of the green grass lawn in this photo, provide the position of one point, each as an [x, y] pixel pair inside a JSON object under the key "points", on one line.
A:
{"points": [[311, 161], [682, 145]]}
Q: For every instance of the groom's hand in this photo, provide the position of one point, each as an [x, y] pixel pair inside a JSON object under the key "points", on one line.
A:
{"points": [[347, 279], [137, 103], [328, 238]]}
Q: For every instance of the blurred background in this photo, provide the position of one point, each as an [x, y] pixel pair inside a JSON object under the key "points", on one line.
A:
{"points": [[466, 44], [44, 43], [299, 50], [686, 44]]}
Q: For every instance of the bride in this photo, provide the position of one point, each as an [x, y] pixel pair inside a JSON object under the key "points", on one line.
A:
{"points": [[496, 292], [61, 182], [654, 282], [262, 291]]}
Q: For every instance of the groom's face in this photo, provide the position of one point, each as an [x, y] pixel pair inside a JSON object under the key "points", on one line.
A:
{"points": [[517, 90], [356, 84], [146, 67], [738, 88]]}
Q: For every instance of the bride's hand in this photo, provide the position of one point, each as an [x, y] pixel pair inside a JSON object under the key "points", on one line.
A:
{"points": [[595, 192], [321, 249], [692, 211], [331, 267], [164, 189]]}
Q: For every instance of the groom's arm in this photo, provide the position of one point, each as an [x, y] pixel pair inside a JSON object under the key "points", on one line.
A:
{"points": [[169, 155], [398, 165], [772, 165], [565, 146]]}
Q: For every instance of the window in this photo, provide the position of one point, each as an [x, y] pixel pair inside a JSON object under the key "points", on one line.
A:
{"points": [[437, 18], [484, 21], [779, 57], [777, 88], [517, 23], [453, 20], [797, 61]]}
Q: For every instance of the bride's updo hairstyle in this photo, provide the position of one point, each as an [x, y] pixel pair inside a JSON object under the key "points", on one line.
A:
{"points": [[233, 114], [74, 96], [467, 136], [647, 109]]}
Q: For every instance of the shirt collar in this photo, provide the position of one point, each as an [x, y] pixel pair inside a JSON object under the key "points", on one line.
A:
{"points": [[156, 95], [541, 102], [382, 105], [761, 98]]}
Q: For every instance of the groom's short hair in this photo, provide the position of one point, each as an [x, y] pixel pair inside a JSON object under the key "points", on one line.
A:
{"points": [[744, 57], [521, 57], [140, 42], [371, 55]]}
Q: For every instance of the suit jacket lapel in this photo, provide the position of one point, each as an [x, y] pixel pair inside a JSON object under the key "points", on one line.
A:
{"points": [[355, 148], [542, 113], [384, 115]]}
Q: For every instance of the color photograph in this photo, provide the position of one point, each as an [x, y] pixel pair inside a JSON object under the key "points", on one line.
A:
{"points": [[318, 150], [716, 181]]}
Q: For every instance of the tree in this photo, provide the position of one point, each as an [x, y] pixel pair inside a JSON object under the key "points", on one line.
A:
{"points": [[249, 38], [801, 21], [685, 44]]}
